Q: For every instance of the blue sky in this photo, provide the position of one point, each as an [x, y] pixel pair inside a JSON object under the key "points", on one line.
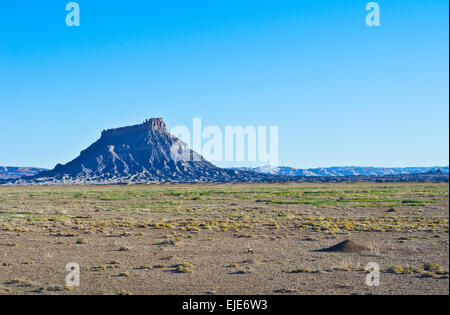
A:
{"points": [[341, 93]]}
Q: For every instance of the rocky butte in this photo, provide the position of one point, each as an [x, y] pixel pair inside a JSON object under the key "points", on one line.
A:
{"points": [[142, 154], [138, 154]]}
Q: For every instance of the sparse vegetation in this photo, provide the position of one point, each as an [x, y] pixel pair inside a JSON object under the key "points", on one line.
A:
{"points": [[403, 270], [272, 230], [81, 241], [124, 274], [184, 268], [432, 267]]}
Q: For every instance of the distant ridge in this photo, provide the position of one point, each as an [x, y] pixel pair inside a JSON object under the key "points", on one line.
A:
{"points": [[13, 172], [142, 153], [346, 171]]}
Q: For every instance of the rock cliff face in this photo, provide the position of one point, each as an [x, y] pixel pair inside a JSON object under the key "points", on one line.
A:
{"points": [[139, 154]]}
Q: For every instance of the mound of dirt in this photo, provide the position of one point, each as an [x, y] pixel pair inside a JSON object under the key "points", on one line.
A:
{"points": [[347, 246]]}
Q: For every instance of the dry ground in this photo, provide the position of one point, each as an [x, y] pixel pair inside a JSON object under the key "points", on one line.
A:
{"points": [[224, 239]]}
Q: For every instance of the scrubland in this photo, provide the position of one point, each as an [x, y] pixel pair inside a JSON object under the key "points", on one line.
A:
{"points": [[225, 238]]}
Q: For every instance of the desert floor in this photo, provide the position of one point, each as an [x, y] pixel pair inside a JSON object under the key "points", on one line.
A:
{"points": [[225, 238]]}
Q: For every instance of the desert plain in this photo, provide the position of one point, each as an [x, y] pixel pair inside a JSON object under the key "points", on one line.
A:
{"points": [[222, 239]]}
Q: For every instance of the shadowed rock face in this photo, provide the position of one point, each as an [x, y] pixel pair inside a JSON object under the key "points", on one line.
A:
{"points": [[139, 154]]}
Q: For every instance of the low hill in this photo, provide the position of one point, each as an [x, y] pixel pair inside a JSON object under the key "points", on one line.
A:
{"points": [[12, 172]]}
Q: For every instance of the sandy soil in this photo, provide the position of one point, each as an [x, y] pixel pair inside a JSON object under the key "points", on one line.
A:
{"points": [[224, 239]]}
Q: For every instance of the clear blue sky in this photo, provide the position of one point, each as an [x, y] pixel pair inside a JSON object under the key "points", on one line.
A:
{"points": [[341, 93]]}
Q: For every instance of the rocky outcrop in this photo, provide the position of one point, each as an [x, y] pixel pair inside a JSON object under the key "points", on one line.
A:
{"points": [[153, 124], [139, 154], [147, 153]]}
